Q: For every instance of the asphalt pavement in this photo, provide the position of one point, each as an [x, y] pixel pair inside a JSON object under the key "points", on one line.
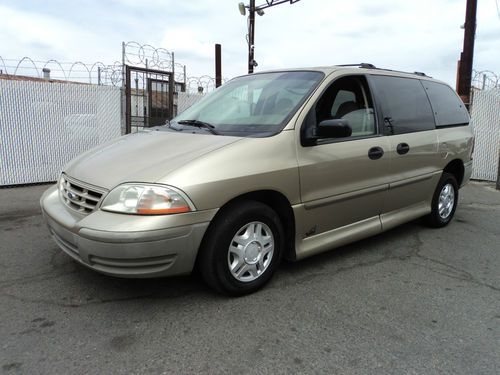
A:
{"points": [[413, 300]]}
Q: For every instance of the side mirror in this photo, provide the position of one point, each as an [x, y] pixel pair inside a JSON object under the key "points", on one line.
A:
{"points": [[337, 128]]}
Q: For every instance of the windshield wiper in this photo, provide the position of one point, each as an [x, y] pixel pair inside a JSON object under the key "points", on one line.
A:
{"points": [[199, 124]]}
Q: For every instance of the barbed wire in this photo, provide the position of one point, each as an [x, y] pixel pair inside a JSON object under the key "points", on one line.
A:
{"points": [[485, 80], [200, 85], [133, 53], [147, 56], [94, 73]]}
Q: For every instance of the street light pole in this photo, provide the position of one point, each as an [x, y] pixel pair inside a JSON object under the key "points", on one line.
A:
{"points": [[251, 36]]}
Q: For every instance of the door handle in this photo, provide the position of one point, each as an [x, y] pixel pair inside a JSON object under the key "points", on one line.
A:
{"points": [[403, 148], [375, 153]]}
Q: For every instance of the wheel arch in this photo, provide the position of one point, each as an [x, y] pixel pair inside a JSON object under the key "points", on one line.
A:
{"points": [[276, 201], [456, 168]]}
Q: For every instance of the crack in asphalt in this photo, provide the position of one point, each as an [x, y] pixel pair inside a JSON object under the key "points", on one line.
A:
{"points": [[82, 304], [457, 273], [9, 216], [44, 276], [480, 206], [169, 293], [386, 256], [415, 252]]}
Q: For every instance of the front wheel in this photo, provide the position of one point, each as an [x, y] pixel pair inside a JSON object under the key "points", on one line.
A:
{"points": [[242, 248], [444, 202]]}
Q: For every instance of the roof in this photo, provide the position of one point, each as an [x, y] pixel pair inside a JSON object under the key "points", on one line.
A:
{"points": [[357, 68]]}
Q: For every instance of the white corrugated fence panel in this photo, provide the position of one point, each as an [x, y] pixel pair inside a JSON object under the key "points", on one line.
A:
{"points": [[43, 125], [485, 119]]}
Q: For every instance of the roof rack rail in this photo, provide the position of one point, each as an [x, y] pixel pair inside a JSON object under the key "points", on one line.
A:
{"points": [[371, 66], [361, 65]]}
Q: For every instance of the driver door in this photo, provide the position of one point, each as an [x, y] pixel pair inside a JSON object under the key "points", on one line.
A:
{"points": [[343, 180]]}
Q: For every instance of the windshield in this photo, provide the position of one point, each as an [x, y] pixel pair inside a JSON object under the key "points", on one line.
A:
{"points": [[254, 104]]}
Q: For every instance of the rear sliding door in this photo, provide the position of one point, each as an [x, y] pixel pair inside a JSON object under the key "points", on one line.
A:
{"points": [[408, 121]]}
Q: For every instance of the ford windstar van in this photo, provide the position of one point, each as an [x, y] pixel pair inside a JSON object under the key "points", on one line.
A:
{"points": [[277, 164]]}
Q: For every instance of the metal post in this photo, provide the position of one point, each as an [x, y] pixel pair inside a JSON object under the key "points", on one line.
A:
{"points": [[98, 75], [218, 65], [251, 36], [467, 55], [123, 56], [173, 63], [498, 175], [128, 101], [123, 104], [185, 79], [171, 90]]}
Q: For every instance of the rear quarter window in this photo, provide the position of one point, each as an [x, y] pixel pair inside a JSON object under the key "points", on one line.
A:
{"points": [[448, 109]]}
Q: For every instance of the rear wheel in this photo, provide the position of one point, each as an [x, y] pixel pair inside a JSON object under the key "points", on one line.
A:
{"points": [[444, 202], [242, 248]]}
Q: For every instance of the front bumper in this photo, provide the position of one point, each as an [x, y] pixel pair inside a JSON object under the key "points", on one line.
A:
{"points": [[126, 245]]}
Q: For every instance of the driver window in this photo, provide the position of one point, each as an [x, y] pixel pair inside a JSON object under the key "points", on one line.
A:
{"points": [[348, 98]]}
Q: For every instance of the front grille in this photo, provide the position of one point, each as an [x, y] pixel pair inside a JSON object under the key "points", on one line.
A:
{"points": [[78, 196]]}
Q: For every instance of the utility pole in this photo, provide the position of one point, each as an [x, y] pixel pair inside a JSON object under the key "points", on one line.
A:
{"points": [[251, 36], [252, 9], [466, 57], [218, 65]]}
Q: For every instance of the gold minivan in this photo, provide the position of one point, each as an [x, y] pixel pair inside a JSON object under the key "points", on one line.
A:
{"points": [[277, 164]]}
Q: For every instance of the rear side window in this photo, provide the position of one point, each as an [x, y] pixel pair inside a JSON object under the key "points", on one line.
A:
{"points": [[405, 105], [448, 109]]}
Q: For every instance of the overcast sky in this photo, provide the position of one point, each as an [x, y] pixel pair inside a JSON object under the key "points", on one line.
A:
{"points": [[421, 35]]}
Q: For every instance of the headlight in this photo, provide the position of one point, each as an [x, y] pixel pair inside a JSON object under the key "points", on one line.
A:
{"points": [[147, 200]]}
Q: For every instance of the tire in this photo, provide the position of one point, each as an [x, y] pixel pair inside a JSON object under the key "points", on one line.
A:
{"points": [[242, 248], [444, 202]]}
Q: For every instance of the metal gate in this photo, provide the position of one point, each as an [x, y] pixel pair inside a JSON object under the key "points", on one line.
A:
{"points": [[149, 97]]}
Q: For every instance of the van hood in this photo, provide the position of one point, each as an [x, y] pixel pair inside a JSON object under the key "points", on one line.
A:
{"points": [[146, 156]]}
